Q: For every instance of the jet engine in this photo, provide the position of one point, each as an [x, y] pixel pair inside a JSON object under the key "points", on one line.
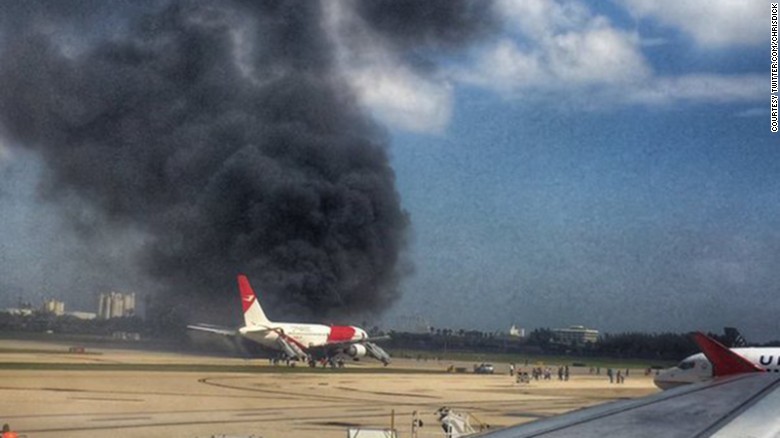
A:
{"points": [[356, 350]]}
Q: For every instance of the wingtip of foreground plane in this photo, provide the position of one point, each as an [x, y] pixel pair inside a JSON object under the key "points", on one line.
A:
{"points": [[724, 361]]}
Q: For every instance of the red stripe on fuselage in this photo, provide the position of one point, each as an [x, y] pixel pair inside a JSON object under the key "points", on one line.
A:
{"points": [[340, 333]]}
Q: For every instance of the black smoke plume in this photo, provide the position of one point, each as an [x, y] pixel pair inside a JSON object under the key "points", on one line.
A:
{"points": [[223, 131]]}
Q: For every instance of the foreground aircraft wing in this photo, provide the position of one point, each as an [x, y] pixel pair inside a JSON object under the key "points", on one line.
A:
{"points": [[742, 402], [745, 403], [213, 329]]}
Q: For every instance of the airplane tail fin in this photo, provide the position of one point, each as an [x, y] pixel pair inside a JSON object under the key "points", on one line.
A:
{"points": [[724, 361], [253, 313]]}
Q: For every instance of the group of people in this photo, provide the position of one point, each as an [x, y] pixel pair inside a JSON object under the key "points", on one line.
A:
{"points": [[617, 377], [613, 375], [539, 373], [546, 373]]}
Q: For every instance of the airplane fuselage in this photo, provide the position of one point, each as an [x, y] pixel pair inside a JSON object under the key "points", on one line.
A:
{"points": [[297, 341], [304, 335], [697, 368]]}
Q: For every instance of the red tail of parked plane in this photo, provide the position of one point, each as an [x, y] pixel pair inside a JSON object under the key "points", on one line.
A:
{"points": [[724, 361], [718, 360]]}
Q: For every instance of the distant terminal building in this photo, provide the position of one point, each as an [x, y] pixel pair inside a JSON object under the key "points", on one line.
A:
{"points": [[576, 335], [116, 305], [516, 332], [54, 307], [19, 312]]}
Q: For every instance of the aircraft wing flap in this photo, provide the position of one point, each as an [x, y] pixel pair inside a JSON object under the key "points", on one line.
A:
{"points": [[690, 411]]}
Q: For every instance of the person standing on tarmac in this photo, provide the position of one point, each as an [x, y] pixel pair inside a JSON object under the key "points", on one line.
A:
{"points": [[8, 433]]}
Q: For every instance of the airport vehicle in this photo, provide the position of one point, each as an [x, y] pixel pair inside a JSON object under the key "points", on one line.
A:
{"points": [[741, 400], [484, 368], [297, 341], [697, 368]]}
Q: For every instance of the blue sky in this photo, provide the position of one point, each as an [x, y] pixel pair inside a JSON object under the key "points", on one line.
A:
{"points": [[634, 192], [599, 163]]}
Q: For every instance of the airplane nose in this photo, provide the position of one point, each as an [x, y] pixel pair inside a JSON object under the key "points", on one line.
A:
{"points": [[661, 384], [664, 380]]}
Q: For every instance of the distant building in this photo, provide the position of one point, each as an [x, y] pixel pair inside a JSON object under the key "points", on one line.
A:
{"points": [[126, 336], [82, 315], [116, 305], [576, 335], [53, 307], [19, 312], [516, 332]]}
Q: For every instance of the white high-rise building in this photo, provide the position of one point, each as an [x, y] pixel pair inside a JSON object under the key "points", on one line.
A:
{"points": [[55, 307], [116, 305], [516, 332], [576, 334]]}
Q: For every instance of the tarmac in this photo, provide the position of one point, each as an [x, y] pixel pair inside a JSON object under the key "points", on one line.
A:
{"points": [[41, 398]]}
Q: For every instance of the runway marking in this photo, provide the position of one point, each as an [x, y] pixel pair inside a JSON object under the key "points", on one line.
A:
{"points": [[334, 423], [308, 396], [304, 420], [57, 389], [106, 399], [394, 394], [257, 414]]}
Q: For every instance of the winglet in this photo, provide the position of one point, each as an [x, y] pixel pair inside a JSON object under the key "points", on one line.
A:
{"points": [[724, 361]]}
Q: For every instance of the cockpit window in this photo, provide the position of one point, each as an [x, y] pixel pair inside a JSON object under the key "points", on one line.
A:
{"points": [[686, 365]]}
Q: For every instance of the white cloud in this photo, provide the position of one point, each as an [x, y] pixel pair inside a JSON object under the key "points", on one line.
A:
{"points": [[595, 55], [506, 68], [539, 18], [701, 88], [561, 47], [552, 47], [396, 94], [403, 99], [712, 24], [564, 47]]}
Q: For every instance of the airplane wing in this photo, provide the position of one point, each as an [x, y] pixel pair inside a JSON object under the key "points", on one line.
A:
{"points": [[356, 348], [741, 401], [743, 405], [213, 329], [340, 344]]}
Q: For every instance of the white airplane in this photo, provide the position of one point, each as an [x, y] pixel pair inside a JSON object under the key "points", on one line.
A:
{"points": [[741, 400], [697, 368], [297, 340]]}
